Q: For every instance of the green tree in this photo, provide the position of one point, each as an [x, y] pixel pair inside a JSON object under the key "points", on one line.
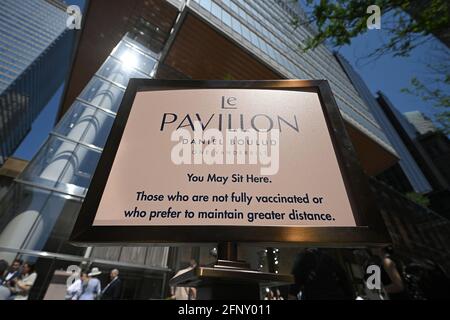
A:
{"points": [[436, 90], [418, 198], [409, 23]]}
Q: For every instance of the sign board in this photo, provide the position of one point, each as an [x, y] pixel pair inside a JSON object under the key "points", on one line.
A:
{"points": [[222, 161]]}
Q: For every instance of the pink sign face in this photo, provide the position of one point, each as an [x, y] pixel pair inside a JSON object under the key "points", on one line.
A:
{"points": [[168, 173]]}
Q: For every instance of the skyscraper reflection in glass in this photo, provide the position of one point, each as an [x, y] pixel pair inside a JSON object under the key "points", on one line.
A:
{"points": [[35, 51]]}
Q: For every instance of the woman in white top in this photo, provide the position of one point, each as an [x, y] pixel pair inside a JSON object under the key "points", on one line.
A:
{"points": [[26, 282], [75, 290], [91, 287]]}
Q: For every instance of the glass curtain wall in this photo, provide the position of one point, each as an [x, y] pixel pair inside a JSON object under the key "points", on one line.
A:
{"points": [[266, 29], [38, 213], [35, 52]]}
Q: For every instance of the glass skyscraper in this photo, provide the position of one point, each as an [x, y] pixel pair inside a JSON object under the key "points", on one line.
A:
{"points": [[266, 28], [152, 39], [35, 54], [421, 123], [414, 174], [53, 186]]}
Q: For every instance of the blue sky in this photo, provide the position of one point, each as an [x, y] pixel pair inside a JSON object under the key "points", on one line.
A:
{"points": [[388, 74], [391, 74]]}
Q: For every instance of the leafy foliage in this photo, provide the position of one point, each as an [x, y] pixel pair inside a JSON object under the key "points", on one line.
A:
{"points": [[409, 23], [418, 198], [436, 91]]}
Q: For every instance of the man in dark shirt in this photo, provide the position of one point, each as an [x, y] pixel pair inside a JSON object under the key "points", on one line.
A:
{"points": [[113, 290], [319, 277], [3, 267], [13, 273]]}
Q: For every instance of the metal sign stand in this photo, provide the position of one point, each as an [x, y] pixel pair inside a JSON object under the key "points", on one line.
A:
{"points": [[229, 279]]}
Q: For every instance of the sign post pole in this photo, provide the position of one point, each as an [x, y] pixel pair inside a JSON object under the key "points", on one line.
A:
{"points": [[227, 251], [229, 279]]}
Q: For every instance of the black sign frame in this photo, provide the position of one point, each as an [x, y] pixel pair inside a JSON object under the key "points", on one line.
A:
{"points": [[370, 229]]}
